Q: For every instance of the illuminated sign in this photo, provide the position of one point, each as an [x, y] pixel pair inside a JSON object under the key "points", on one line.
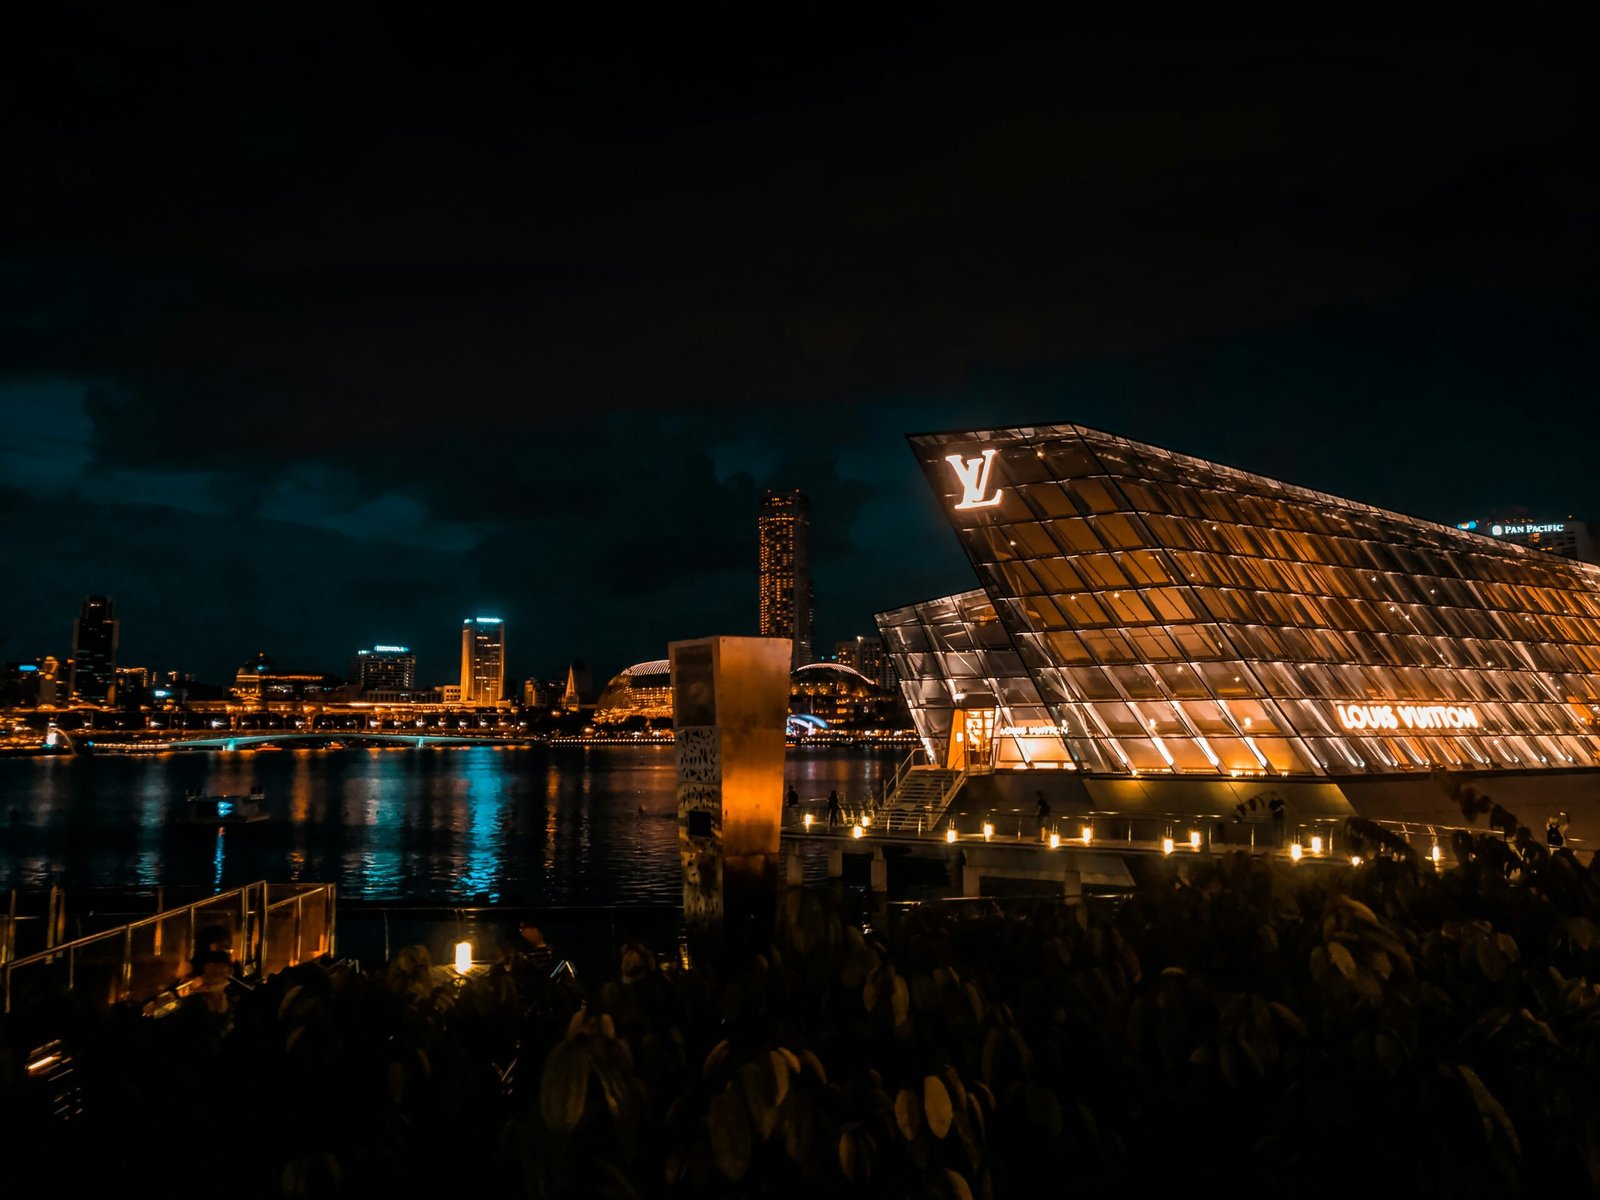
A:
{"points": [[389, 649], [1411, 716], [1029, 731], [974, 476], [1515, 530], [484, 620]]}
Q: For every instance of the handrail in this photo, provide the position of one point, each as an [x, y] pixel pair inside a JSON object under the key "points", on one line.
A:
{"points": [[253, 914]]}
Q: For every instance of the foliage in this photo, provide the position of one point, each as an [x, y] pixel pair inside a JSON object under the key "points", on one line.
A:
{"points": [[1312, 1028]]}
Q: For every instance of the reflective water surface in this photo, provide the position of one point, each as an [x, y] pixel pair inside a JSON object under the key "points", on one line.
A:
{"points": [[539, 825]]}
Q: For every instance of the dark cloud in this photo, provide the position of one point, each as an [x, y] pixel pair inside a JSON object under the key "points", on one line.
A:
{"points": [[314, 331]]}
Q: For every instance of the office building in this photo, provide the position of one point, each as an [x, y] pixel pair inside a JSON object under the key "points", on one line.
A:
{"points": [[388, 669], [94, 651], [867, 655], [1568, 538], [1147, 616], [784, 534], [483, 661]]}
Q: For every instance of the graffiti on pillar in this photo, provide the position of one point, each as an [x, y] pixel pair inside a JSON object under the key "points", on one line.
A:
{"points": [[699, 755]]}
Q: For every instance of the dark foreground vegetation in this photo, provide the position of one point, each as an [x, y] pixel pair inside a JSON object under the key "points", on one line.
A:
{"points": [[1244, 1029]]}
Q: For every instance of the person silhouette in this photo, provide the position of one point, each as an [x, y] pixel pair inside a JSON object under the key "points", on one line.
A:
{"points": [[835, 813]]}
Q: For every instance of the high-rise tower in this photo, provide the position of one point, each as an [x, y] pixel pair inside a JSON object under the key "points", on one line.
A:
{"points": [[483, 661], [94, 650], [785, 563]]}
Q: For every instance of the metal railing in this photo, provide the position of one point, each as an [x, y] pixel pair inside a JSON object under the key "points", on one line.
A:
{"points": [[267, 926]]}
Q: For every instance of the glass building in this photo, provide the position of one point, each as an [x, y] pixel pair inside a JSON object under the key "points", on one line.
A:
{"points": [[94, 650], [783, 533], [483, 661], [1144, 613]]}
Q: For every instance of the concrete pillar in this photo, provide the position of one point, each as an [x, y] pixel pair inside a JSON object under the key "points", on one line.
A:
{"points": [[793, 873], [835, 862], [969, 880], [880, 871]]}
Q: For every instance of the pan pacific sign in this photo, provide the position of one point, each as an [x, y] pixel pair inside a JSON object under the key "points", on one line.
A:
{"points": [[1407, 716]]}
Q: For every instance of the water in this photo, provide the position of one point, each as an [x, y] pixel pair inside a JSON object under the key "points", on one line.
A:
{"points": [[567, 825]]}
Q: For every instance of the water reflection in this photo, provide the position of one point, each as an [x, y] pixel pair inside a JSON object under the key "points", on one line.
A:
{"points": [[564, 825]]}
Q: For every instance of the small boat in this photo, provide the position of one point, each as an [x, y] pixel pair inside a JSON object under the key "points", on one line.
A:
{"points": [[222, 810]]}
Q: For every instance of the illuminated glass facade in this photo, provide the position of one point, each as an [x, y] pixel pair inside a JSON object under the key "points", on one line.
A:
{"points": [[1172, 615], [784, 561], [643, 690], [483, 661], [94, 650]]}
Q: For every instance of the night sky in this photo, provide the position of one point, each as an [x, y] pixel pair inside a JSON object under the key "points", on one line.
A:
{"points": [[318, 331]]}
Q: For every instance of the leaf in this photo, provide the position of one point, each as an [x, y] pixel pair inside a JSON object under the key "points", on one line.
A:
{"points": [[791, 1058], [730, 1135], [936, 1105], [975, 998], [958, 1185], [908, 1114], [814, 1065], [714, 1059], [753, 1086], [849, 1155], [1489, 1109], [901, 1001], [870, 990], [780, 1073], [564, 1086], [1341, 958], [1291, 1021]]}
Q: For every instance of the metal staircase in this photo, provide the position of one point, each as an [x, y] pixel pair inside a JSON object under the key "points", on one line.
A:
{"points": [[919, 798]]}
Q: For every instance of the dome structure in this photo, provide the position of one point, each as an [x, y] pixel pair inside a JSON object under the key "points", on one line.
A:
{"points": [[643, 690]]}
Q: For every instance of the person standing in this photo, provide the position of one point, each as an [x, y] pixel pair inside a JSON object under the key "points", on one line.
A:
{"points": [[835, 813], [1041, 810]]}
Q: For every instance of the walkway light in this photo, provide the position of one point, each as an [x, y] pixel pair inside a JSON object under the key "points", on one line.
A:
{"points": [[856, 832], [806, 821], [1436, 854], [1088, 834], [988, 831], [1055, 841], [1166, 845], [1355, 860], [463, 957], [1316, 845], [1294, 851], [1194, 839], [950, 834]]}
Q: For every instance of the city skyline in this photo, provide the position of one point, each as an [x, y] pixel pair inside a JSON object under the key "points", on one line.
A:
{"points": [[511, 386]]}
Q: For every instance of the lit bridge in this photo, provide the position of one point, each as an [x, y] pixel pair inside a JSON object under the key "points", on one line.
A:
{"points": [[248, 741]]}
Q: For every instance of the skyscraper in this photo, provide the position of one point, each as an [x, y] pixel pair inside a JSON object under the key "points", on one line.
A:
{"points": [[94, 650], [483, 661], [384, 669], [784, 528]]}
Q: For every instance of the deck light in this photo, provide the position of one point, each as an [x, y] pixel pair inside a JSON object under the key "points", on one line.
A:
{"points": [[1166, 845], [988, 831], [1436, 854], [1055, 841], [950, 834], [1194, 839], [1316, 845], [806, 821], [1088, 834], [857, 832], [1295, 852], [463, 957], [1355, 860]]}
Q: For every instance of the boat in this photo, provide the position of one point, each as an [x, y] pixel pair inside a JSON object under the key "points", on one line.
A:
{"points": [[222, 810]]}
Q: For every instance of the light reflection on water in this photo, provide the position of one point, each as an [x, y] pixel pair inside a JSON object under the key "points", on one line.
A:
{"points": [[559, 825]]}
